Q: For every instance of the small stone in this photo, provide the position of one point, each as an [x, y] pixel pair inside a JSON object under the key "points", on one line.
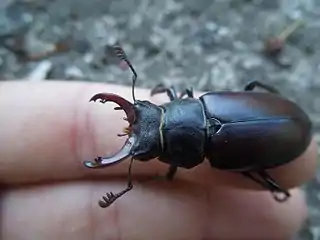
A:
{"points": [[285, 62], [212, 59], [74, 72], [156, 39], [34, 46], [136, 20], [239, 45], [40, 72], [109, 20], [251, 63], [211, 26], [223, 31], [88, 58], [223, 75]]}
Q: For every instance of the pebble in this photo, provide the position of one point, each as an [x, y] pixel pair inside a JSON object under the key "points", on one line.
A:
{"points": [[74, 72], [40, 72]]}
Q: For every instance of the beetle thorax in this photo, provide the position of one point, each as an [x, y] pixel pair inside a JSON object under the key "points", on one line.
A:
{"points": [[183, 129]]}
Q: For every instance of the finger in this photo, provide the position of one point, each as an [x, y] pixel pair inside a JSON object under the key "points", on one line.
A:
{"points": [[49, 128], [70, 211]]}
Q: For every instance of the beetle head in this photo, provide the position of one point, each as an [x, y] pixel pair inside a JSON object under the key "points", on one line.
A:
{"points": [[125, 151], [143, 118]]}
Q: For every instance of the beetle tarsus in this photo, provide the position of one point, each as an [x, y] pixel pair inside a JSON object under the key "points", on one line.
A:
{"points": [[267, 182], [188, 92], [171, 92], [274, 187], [112, 197], [252, 85], [281, 196]]}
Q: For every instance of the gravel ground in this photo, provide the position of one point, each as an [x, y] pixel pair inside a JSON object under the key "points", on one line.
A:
{"points": [[211, 45]]}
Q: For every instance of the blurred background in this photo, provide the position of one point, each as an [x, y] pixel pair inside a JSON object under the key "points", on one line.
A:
{"points": [[207, 44]]}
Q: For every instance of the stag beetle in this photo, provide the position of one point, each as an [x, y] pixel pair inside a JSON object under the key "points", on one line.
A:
{"points": [[245, 132]]}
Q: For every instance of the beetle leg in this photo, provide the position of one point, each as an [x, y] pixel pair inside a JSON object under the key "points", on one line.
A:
{"points": [[188, 92], [267, 182], [171, 172], [249, 175], [160, 88], [252, 85], [274, 187], [168, 177]]}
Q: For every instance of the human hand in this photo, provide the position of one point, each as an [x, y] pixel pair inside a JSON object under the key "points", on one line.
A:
{"points": [[48, 129]]}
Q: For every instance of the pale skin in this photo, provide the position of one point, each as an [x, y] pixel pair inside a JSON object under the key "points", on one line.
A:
{"points": [[48, 129]]}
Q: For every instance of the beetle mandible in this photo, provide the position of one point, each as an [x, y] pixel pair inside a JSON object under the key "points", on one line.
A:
{"points": [[246, 132]]}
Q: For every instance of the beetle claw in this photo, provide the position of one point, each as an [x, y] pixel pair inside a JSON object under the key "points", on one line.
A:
{"points": [[123, 103], [281, 196], [101, 162], [93, 164], [125, 151]]}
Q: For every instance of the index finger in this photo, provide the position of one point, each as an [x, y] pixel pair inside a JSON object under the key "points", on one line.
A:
{"points": [[49, 128]]}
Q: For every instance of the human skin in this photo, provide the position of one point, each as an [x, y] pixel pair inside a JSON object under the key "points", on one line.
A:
{"points": [[48, 129]]}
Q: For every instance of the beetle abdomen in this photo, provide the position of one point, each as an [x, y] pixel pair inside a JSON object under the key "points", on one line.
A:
{"points": [[254, 130], [257, 144], [244, 106]]}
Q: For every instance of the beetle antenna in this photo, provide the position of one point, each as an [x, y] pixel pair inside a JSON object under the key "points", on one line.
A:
{"points": [[122, 55]]}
